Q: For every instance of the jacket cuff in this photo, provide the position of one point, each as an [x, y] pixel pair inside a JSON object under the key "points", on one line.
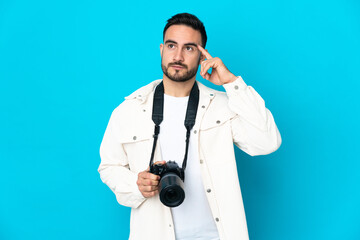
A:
{"points": [[235, 86], [133, 198], [137, 197]]}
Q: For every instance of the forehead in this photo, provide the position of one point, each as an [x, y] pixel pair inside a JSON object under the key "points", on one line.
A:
{"points": [[182, 34]]}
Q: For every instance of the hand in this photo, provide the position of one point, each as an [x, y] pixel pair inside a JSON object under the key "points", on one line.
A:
{"points": [[220, 74], [148, 183]]}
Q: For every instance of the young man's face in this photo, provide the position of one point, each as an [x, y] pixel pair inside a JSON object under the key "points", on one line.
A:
{"points": [[180, 57]]}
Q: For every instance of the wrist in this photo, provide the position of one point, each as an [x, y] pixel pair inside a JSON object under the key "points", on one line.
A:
{"points": [[230, 79]]}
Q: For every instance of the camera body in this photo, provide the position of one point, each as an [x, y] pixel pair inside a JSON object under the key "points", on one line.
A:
{"points": [[171, 186]]}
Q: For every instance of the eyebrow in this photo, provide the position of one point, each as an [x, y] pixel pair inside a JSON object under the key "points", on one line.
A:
{"points": [[188, 44]]}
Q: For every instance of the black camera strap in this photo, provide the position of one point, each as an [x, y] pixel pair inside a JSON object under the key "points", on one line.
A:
{"points": [[158, 115]]}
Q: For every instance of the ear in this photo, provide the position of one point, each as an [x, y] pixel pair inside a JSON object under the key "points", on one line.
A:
{"points": [[161, 48]]}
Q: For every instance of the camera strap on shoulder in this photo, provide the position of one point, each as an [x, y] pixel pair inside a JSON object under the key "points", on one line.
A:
{"points": [[158, 115]]}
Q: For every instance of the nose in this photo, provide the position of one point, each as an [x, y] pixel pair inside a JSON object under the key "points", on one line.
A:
{"points": [[178, 56]]}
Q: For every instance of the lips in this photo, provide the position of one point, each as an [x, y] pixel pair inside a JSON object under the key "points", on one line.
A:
{"points": [[177, 66]]}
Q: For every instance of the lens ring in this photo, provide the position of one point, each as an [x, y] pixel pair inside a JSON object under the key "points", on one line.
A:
{"points": [[172, 196]]}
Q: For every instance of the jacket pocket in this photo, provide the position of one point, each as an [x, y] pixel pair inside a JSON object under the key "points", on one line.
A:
{"points": [[213, 120], [215, 139], [138, 150]]}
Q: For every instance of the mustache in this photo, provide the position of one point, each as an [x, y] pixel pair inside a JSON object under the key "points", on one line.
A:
{"points": [[177, 63]]}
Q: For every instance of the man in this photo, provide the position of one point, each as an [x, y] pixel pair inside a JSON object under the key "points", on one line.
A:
{"points": [[213, 206]]}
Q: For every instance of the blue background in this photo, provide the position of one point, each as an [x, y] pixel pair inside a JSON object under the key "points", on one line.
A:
{"points": [[65, 65]]}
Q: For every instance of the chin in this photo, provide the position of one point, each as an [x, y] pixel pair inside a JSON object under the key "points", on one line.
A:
{"points": [[179, 79]]}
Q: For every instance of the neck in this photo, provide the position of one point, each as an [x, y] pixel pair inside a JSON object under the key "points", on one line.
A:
{"points": [[177, 89]]}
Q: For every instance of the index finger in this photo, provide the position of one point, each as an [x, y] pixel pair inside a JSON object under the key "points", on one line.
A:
{"points": [[204, 52], [151, 176], [147, 175]]}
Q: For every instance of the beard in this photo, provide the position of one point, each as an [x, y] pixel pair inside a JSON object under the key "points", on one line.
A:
{"points": [[177, 76]]}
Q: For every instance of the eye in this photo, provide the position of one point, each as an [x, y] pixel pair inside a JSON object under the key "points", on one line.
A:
{"points": [[171, 46], [188, 48]]}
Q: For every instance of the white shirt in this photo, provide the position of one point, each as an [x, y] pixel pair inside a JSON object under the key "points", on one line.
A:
{"points": [[193, 218]]}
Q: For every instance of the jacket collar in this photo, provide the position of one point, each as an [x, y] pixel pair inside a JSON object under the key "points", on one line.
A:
{"points": [[144, 92]]}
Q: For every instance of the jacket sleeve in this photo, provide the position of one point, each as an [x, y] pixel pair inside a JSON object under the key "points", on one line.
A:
{"points": [[254, 129], [114, 167]]}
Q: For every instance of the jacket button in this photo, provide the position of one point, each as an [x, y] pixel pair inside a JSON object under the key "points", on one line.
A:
{"points": [[217, 219], [218, 121], [211, 94], [203, 106], [144, 110], [201, 161], [195, 131], [209, 190], [134, 137], [236, 87]]}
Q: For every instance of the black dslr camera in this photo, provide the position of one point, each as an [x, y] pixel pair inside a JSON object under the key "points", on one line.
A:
{"points": [[171, 184]]}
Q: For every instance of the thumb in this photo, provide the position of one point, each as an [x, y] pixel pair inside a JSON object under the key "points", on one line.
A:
{"points": [[160, 162]]}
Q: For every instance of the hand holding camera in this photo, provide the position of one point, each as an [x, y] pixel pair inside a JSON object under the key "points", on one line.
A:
{"points": [[148, 183]]}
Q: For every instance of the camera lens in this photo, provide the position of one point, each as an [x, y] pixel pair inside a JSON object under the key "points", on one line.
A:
{"points": [[171, 195], [171, 190]]}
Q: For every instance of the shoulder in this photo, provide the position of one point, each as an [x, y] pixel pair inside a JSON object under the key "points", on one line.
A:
{"points": [[213, 94], [138, 97], [144, 91]]}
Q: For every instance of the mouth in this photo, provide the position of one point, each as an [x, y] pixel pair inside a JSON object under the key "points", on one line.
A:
{"points": [[178, 67]]}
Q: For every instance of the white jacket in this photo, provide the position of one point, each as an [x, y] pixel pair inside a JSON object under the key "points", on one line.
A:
{"points": [[238, 116]]}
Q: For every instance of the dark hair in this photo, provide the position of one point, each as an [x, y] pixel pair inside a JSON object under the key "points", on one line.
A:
{"points": [[188, 20]]}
